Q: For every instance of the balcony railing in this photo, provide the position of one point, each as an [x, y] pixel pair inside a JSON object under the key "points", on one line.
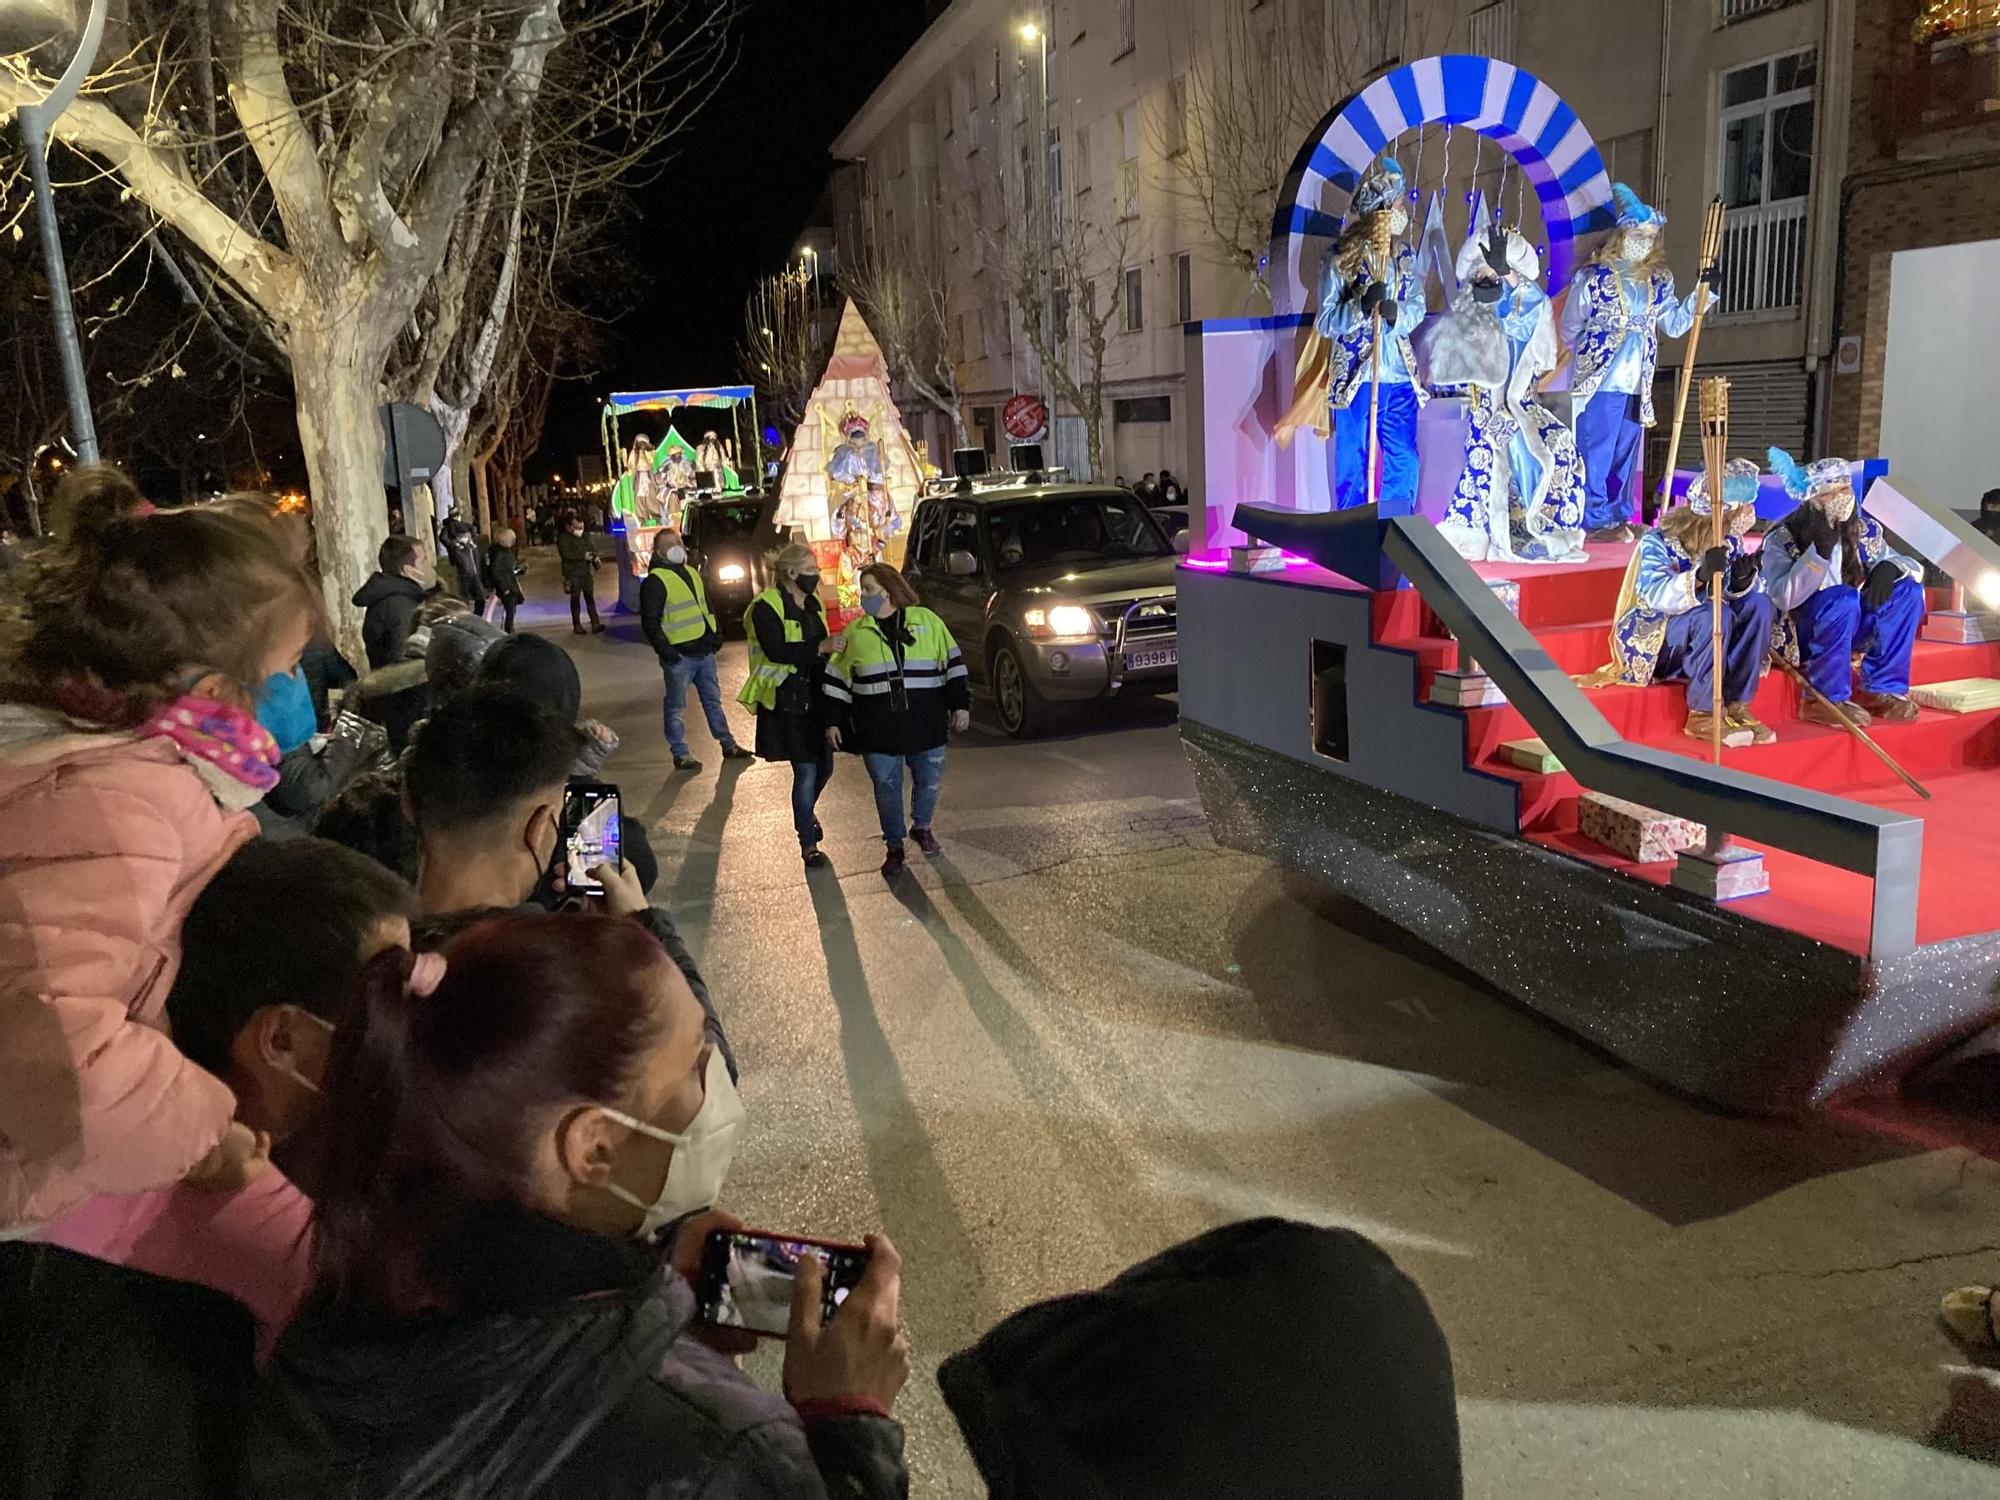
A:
{"points": [[1742, 10], [1763, 257], [1949, 83]]}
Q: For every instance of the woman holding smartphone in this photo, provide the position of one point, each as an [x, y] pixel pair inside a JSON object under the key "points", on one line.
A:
{"points": [[508, 1125]]}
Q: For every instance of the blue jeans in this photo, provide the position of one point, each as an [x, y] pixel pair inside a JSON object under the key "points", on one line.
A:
{"points": [[1835, 623], [699, 670], [1396, 489], [809, 779], [1607, 439], [1689, 650], [886, 771]]}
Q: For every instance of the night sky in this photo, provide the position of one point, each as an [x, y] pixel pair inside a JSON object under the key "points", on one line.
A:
{"points": [[736, 197]]}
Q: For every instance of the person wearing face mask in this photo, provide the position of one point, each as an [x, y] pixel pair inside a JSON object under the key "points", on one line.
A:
{"points": [[1620, 303], [484, 787], [579, 562], [789, 644], [673, 610], [1842, 590], [1664, 629], [896, 691], [1357, 286], [512, 1123], [271, 948]]}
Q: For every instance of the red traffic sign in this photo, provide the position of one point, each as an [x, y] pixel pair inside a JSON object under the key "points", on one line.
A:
{"points": [[1024, 417]]}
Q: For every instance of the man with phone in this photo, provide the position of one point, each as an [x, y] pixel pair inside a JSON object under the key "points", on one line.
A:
{"points": [[486, 786]]}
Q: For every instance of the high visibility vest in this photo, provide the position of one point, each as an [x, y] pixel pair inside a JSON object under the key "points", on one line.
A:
{"points": [[867, 664], [760, 688], [686, 617]]}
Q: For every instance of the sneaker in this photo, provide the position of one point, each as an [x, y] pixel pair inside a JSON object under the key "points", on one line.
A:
{"points": [[1835, 716], [1701, 726], [1890, 708], [737, 752], [814, 859], [686, 763], [926, 841], [893, 865], [1739, 716]]}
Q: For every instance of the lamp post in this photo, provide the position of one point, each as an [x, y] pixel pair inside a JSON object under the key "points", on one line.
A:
{"points": [[1032, 31], [36, 119]]}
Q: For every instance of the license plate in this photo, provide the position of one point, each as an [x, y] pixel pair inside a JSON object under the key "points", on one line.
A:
{"points": [[1141, 661]]}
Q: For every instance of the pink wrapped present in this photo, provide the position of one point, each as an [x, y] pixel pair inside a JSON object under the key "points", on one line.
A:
{"points": [[1643, 834]]}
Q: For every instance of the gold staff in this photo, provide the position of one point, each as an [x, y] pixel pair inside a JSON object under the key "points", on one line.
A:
{"points": [[1379, 254], [1711, 253], [1715, 453]]}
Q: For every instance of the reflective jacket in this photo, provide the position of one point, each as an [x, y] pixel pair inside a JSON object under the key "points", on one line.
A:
{"points": [[760, 688], [673, 611], [894, 685]]}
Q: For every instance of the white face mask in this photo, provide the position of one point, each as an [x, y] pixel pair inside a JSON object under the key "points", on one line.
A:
{"points": [[1838, 505], [702, 1153], [677, 555]]}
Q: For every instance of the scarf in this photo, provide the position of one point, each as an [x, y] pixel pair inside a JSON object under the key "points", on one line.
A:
{"points": [[225, 745]]}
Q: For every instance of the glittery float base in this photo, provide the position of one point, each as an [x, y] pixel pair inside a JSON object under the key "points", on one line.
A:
{"points": [[1736, 1012]]}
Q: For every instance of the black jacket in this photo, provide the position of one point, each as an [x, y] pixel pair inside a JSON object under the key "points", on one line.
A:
{"points": [[325, 669], [795, 729], [391, 605], [653, 605], [505, 570], [1263, 1358], [567, 1370]]}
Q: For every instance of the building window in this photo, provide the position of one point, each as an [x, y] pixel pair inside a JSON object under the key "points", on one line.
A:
{"points": [[1080, 159], [996, 74], [1128, 409], [1128, 34], [1742, 10], [1764, 174], [1026, 148], [1135, 299], [1493, 30], [1173, 117], [1183, 288], [1128, 165]]}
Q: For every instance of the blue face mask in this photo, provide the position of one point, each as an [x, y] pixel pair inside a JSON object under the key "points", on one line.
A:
{"points": [[877, 605]]}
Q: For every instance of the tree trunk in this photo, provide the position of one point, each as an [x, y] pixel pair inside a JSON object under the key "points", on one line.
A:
{"points": [[338, 395]]}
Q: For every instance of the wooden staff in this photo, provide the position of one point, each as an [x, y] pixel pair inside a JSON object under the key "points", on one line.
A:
{"points": [[1379, 253], [1711, 254], [1849, 725], [1715, 453]]}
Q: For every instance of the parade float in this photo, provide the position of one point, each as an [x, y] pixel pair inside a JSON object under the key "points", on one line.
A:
{"points": [[1396, 707], [852, 475], [655, 479]]}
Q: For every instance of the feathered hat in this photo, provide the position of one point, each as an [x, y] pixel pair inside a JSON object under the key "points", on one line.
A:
{"points": [[1802, 482], [1633, 211], [1739, 487], [1382, 187]]}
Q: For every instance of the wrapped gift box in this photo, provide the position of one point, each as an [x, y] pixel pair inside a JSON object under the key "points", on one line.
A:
{"points": [[1643, 834], [1531, 755], [1508, 592], [1963, 695]]}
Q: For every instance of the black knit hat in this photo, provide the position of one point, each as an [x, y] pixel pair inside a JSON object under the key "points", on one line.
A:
{"points": [[539, 669]]}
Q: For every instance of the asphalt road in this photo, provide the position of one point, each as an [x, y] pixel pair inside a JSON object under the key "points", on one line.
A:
{"points": [[1086, 1033]]}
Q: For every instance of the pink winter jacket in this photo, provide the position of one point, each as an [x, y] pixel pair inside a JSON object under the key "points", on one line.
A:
{"points": [[105, 840]]}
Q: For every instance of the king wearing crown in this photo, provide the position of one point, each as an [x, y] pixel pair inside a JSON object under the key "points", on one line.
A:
{"points": [[859, 510]]}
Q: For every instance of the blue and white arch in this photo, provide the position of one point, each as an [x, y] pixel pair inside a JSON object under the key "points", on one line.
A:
{"points": [[1513, 108]]}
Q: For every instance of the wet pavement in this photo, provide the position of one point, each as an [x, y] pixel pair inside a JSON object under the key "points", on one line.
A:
{"points": [[1086, 1032]]}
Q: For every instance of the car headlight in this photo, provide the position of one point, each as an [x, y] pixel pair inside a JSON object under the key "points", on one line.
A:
{"points": [[1062, 622], [731, 573]]}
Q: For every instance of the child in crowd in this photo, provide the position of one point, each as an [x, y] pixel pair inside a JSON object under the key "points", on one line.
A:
{"points": [[129, 760], [271, 950]]}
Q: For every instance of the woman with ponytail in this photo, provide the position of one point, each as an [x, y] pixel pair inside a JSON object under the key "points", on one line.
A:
{"points": [[512, 1132], [129, 757]]}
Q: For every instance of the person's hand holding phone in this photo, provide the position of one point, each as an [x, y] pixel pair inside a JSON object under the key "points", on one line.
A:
{"points": [[623, 895], [684, 1255], [861, 1351]]}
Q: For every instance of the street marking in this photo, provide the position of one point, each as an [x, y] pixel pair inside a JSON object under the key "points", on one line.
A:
{"points": [[1069, 760]]}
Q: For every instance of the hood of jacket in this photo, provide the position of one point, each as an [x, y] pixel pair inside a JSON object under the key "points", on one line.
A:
{"points": [[382, 586]]}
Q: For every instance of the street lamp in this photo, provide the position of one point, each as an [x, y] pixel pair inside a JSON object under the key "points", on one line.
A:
{"points": [[36, 119]]}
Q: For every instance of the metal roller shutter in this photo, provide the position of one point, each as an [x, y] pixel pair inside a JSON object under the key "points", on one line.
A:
{"points": [[1768, 405]]}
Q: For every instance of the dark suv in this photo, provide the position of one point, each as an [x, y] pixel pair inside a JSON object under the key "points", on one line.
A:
{"points": [[1057, 593]]}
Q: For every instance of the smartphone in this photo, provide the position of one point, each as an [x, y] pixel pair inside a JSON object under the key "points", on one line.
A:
{"points": [[591, 834], [746, 1278]]}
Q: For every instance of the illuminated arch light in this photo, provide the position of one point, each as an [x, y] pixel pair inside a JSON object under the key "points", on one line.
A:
{"points": [[1513, 108]]}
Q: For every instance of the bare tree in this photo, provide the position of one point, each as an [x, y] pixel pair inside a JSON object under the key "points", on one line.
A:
{"points": [[787, 336], [358, 131], [1249, 87], [903, 286]]}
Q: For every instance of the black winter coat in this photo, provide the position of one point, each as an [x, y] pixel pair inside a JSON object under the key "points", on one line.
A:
{"points": [[568, 1370], [796, 729], [391, 605]]}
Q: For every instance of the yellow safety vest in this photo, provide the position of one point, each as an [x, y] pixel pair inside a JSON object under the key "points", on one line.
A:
{"points": [[760, 688], [686, 617], [868, 661]]}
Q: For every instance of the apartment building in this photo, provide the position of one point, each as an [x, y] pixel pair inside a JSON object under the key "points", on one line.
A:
{"points": [[1840, 135]]}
